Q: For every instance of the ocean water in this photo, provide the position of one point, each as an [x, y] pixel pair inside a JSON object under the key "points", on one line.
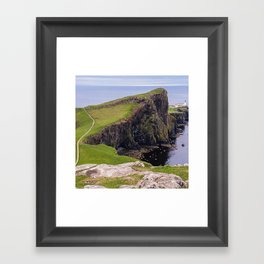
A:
{"points": [[174, 156]]}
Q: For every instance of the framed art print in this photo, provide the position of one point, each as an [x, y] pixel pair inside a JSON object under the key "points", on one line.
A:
{"points": [[132, 132]]}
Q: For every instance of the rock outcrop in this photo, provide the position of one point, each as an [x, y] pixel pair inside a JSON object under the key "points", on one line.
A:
{"points": [[161, 181], [181, 115], [149, 125], [150, 180], [107, 170]]}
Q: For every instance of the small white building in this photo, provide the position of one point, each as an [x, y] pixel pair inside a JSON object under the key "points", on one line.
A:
{"points": [[181, 104]]}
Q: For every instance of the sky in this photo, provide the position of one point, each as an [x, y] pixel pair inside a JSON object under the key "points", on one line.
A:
{"points": [[91, 90]]}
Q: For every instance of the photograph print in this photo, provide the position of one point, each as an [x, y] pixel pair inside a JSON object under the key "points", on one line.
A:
{"points": [[131, 132]]}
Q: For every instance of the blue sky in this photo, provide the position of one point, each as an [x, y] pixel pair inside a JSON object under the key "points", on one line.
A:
{"points": [[97, 89]]}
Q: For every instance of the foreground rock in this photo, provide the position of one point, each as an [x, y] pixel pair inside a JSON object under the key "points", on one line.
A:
{"points": [[106, 170], [151, 180], [154, 180], [79, 169]]}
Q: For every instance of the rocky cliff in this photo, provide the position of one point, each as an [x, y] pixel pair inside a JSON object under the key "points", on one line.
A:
{"points": [[181, 115], [149, 125], [178, 119]]}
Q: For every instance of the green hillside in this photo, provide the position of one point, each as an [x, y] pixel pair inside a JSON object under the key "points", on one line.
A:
{"points": [[106, 116], [96, 154], [103, 117], [127, 98], [83, 122]]}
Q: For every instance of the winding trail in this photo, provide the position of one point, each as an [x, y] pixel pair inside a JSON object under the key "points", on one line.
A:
{"points": [[78, 142]]}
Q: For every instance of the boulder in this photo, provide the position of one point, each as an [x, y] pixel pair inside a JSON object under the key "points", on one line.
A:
{"points": [[161, 181], [79, 169], [106, 170]]}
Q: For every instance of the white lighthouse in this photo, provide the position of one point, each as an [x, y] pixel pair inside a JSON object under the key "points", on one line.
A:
{"points": [[181, 104]]}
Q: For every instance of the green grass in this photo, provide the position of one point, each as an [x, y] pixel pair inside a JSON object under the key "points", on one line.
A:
{"points": [[83, 123], [172, 109], [103, 117], [155, 91], [179, 109], [114, 182], [126, 99], [108, 115], [182, 171], [101, 154], [79, 181]]}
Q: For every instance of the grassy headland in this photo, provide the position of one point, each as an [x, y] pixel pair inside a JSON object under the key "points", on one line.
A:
{"points": [[126, 99], [105, 115]]}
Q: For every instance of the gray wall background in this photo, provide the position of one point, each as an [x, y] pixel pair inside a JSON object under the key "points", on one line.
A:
{"points": [[17, 140]]}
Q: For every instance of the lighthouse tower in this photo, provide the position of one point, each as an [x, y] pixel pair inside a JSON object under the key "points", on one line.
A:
{"points": [[185, 103]]}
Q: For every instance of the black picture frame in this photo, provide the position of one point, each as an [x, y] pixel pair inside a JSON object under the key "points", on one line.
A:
{"points": [[216, 30]]}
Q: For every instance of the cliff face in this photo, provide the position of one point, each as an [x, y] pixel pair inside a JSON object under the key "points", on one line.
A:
{"points": [[149, 125], [181, 115], [178, 120]]}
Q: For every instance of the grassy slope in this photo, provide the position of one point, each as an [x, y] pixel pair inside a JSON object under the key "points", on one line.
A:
{"points": [[84, 122], [103, 117], [108, 115], [101, 154], [144, 95]]}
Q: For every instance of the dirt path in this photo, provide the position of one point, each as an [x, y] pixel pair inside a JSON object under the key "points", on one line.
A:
{"points": [[78, 142]]}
